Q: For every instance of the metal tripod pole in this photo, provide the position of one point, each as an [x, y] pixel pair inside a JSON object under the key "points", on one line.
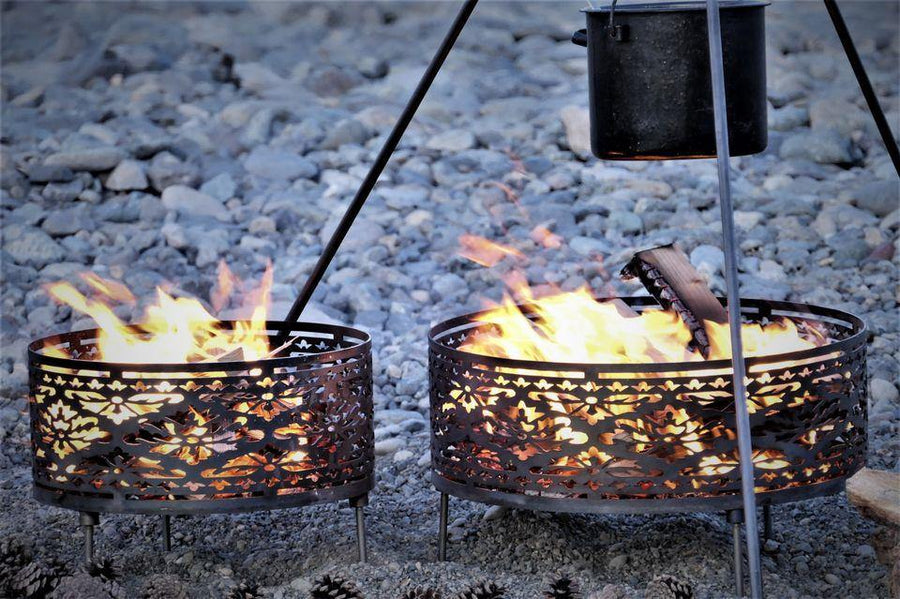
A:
{"points": [[381, 161], [742, 415], [864, 84]]}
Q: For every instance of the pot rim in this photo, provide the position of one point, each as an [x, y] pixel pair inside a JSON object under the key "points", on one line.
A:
{"points": [[685, 6]]}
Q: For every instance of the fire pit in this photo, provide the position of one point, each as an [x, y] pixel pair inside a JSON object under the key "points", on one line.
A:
{"points": [[611, 438], [204, 437]]}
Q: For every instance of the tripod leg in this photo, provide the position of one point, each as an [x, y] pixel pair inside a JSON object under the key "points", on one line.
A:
{"points": [[380, 162], [729, 246], [865, 85]]}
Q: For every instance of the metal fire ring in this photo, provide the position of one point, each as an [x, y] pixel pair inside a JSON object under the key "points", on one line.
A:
{"points": [[648, 437], [205, 437]]}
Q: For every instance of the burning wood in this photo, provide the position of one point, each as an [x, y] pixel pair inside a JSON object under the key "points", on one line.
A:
{"points": [[669, 276]]}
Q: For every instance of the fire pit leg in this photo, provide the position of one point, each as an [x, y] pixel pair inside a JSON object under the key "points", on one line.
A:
{"points": [[88, 521], [359, 503], [767, 522], [735, 518], [167, 533], [442, 533]]}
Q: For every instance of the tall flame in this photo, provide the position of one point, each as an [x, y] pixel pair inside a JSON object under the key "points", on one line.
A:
{"points": [[576, 327], [173, 329]]}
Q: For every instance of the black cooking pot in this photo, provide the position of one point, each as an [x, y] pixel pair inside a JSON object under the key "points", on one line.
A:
{"points": [[649, 78]]}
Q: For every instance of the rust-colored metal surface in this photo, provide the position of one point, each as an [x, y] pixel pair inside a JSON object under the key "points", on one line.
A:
{"points": [[594, 437], [204, 437]]}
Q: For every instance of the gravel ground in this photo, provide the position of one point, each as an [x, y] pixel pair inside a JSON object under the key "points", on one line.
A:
{"points": [[127, 149]]}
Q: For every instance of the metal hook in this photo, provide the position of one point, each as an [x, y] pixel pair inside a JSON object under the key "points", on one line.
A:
{"points": [[617, 32]]}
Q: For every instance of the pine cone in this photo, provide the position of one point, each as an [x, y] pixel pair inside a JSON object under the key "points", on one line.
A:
{"points": [[244, 590], [13, 556], [103, 569], [423, 593], [484, 590], [163, 586], [37, 581], [668, 587], [328, 587], [563, 588], [80, 586]]}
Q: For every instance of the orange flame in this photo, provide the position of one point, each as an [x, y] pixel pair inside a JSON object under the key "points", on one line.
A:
{"points": [[173, 329], [483, 251], [576, 327]]}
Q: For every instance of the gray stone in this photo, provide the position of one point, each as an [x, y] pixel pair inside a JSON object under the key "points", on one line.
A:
{"points": [[166, 170], [452, 140], [270, 163], [449, 285], [190, 202], [628, 223], [879, 197], [883, 391], [127, 176], [588, 246], [788, 118], [388, 446], [87, 159], [839, 115], [348, 131], [222, 187], [63, 192], [708, 259], [577, 123], [67, 221], [44, 173], [31, 247], [824, 147]]}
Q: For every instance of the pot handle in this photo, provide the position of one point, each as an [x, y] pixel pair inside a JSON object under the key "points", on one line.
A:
{"points": [[579, 38]]}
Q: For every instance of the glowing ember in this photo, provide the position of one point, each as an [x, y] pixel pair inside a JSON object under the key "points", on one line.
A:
{"points": [[173, 329]]}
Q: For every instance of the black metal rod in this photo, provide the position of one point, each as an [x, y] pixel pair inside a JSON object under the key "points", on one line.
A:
{"points": [[767, 522], [88, 521], [442, 530], [732, 288], [361, 548], [738, 559], [167, 533], [381, 161], [890, 143]]}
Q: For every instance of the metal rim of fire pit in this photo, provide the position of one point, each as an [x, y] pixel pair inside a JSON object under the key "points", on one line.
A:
{"points": [[323, 383], [449, 367]]}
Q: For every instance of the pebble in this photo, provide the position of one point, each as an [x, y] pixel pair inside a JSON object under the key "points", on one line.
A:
{"points": [[389, 446], [879, 197], [44, 173], [883, 391], [825, 147], [577, 123], [453, 140], [88, 159], [61, 193], [190, 202], [31, 247], [222, 187], [279, 164], [128, 175]]}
